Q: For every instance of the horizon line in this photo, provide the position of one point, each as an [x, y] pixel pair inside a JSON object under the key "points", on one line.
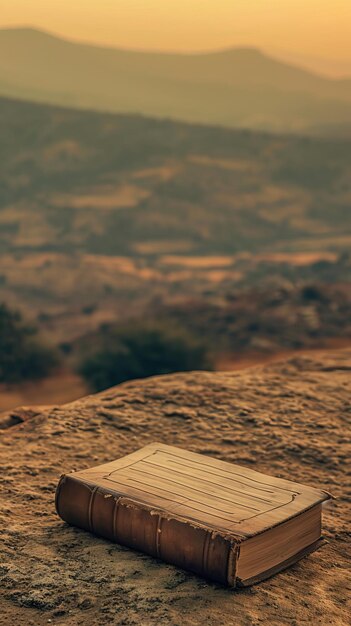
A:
{"points": [[275, 56]]}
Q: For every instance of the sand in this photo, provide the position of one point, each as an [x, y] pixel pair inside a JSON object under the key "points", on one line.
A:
{"points": [[289, 419]]}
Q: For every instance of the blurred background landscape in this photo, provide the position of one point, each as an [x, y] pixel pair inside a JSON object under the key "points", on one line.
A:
{"points": [[167, 210]]}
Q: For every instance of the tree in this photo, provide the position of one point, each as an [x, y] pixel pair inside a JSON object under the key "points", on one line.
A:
{"points": [[141, 350], [22, 356]]}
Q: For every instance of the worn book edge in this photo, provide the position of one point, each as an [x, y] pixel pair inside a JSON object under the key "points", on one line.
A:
{"points": [[281, 566]]}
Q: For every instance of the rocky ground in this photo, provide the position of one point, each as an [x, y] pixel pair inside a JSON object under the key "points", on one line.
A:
{"points": [[290, 419]]}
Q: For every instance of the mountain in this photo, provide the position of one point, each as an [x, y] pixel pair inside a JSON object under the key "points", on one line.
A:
{"points": [[238, 87]]}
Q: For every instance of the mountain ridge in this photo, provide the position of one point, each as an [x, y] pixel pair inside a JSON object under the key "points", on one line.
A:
{"points": [[237, 87], [226, 51], [249, 51]]}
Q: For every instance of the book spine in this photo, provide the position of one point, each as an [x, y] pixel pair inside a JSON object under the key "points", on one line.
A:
{"points": [[138, 526]]}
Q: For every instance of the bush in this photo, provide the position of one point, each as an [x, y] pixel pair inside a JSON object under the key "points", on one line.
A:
{"points": [[22, 357], [141, 350]]}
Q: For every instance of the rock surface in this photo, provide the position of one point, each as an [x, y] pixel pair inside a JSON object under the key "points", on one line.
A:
{"points": [[290, 419]]}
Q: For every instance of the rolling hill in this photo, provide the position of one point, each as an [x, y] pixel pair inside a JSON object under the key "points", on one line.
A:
{"points": [[102, 213], [238, 87], [127, 185]]}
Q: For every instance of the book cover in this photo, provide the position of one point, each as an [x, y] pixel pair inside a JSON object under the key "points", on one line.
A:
{"points": [[222, 521]]}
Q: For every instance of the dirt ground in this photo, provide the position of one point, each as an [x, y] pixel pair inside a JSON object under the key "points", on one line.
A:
{"points": [[290, 419]]}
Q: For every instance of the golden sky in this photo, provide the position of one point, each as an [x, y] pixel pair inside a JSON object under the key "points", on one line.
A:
{"points": [[311, 29]]}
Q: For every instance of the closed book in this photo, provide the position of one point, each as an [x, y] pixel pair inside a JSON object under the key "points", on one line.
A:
{"points": [[222, 521]]}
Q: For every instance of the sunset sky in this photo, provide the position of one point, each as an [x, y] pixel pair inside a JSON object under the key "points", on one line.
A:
{"points": [[314, 30]]}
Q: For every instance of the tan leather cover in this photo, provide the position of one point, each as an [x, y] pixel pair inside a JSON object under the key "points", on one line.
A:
{"points": [[185, 508]]}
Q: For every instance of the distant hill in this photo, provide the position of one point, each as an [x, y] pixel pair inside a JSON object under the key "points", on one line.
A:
{"points": [[238, 87], [105, 216], [111, 184]]}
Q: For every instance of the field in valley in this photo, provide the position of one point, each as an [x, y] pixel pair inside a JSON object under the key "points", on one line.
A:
{"points": [[241, 237]]}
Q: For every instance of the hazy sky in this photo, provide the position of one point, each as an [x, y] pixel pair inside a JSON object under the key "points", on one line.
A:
{"points": [[307, 28]]}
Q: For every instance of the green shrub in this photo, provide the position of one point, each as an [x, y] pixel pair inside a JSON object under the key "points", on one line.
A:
{"points": [[22, 356], [141, 350]]}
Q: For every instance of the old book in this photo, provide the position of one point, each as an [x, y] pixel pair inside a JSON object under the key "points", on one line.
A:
{"points": [[222, 521]]}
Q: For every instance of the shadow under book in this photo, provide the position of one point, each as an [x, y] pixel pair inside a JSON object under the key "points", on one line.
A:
{"points": [[222, 521]]}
